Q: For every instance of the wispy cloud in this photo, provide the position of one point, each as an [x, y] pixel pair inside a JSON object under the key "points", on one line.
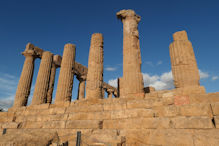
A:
{"points": [[214, 78], [159, 62], [8, 85], [110, 68], [150, 63], [203, 75]]}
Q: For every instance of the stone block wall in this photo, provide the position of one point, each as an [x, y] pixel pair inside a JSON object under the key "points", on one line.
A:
{"points": [[153, 120]]}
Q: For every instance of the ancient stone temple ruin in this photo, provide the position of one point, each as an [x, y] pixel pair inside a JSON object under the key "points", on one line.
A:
{"points": [[131, 115]]}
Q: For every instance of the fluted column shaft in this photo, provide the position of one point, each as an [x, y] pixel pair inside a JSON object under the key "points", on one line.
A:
{"points": [[94, 83], [24, 85], [66, 76], [131, 53], [51, 83], [43, 77], [183, 62], [81, 89]]}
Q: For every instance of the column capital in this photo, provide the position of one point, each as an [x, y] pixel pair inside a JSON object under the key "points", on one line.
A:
{"points": [[29, 53], [128, 14], [81, 77]]}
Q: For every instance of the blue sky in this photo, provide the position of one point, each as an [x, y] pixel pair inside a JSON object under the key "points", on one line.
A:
{"points": [[53, 23]]}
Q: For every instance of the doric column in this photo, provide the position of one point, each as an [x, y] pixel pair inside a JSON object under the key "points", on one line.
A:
{"points": [[66, 76], [94, 81], [132, 75], [81, 87], [24, 85], [42, 82], [183, 62], [51, 83]]}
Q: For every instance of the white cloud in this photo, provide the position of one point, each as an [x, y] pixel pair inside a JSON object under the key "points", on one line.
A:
{"points": [[110, 68], [113, 82], [214, 78], [153, 64], [162, 82], [203, 75]]}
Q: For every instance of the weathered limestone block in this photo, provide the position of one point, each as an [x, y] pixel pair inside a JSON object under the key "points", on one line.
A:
{"points": [[9, 125], [94, 82], [38, 107], [57, 110], [66, 76], [114, 106], [89, 108], [216, 120], [132, 113], [81, 87], [54, 124], [192, 122], [145, 103], [168, 98], [42, 82], [84, 124], [32, 137], [196, 110], [140, 123], [206, 137], [132, 75], [90, 116], [31, 125], [183, 62], [167, 111], [215, 108], [185, 110], [24, 85], [6, 117]]}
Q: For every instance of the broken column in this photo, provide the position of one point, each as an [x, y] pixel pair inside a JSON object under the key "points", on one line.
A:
{"points": [[94, 80], [81, 87], [183, 62], [66, 76], [43, 77], [24, 85], [132, 75], [184, 67]]}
